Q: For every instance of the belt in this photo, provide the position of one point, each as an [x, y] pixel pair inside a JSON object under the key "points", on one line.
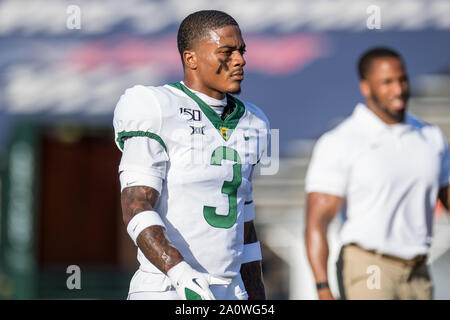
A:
{"points": [[409, 262]]}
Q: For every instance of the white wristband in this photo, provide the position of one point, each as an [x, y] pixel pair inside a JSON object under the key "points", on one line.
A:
{"points": [[252, 252], [142, 221], [249, 211]]}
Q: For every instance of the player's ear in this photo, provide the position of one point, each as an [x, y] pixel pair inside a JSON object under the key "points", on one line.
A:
{"points": [[364, 88], [190, 59]]}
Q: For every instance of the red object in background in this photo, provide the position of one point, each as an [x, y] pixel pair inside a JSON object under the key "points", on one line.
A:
{"points": [[274, 55], [79, 201], [439, 210]]}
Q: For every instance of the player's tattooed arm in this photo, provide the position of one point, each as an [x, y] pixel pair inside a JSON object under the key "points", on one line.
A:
{"points": [[252, 272], [152, 241]]}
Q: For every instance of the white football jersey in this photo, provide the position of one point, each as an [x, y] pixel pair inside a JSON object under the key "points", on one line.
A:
{"points": [[208, 168]]}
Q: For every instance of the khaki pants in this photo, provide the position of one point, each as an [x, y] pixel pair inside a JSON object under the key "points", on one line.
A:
{"points": [[363, 275]]}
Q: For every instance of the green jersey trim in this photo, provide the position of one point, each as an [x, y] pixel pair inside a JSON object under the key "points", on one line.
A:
{"points": [[127, 134], [225, 127]]}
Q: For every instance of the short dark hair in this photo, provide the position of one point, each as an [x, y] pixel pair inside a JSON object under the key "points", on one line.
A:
{"points": [[198, 24], [367, 58]]}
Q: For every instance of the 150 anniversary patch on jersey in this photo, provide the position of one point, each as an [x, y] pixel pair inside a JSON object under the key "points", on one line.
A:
{"points": [[190, 114]]}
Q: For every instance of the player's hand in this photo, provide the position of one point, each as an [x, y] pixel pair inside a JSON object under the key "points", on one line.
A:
{"points": [[325, 294], [193, 285]]}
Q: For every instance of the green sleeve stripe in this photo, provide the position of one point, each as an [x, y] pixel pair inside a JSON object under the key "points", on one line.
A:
{"points": [[127, 134]]}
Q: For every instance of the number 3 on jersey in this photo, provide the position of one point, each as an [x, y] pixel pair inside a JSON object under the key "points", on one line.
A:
{"points": [[229, 188]]}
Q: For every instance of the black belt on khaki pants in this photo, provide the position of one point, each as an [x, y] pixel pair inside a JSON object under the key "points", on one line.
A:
{"points": [[409, 262]]}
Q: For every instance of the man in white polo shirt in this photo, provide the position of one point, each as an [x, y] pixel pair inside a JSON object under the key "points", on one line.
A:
{"points": [[385, 169]]}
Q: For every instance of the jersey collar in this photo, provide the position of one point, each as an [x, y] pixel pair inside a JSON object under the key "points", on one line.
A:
{"points": [[226, 126], [370, 121]]}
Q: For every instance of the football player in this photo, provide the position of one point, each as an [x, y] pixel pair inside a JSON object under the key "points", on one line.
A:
{"points": [[189, 149]]}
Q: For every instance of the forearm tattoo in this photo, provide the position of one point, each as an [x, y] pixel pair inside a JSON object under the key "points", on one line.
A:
{"points": [[252, 272], [157, 248], [152, 241]]}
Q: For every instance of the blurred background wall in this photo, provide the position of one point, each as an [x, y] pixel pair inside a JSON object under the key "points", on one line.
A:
{"points": [[64, 64]]}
